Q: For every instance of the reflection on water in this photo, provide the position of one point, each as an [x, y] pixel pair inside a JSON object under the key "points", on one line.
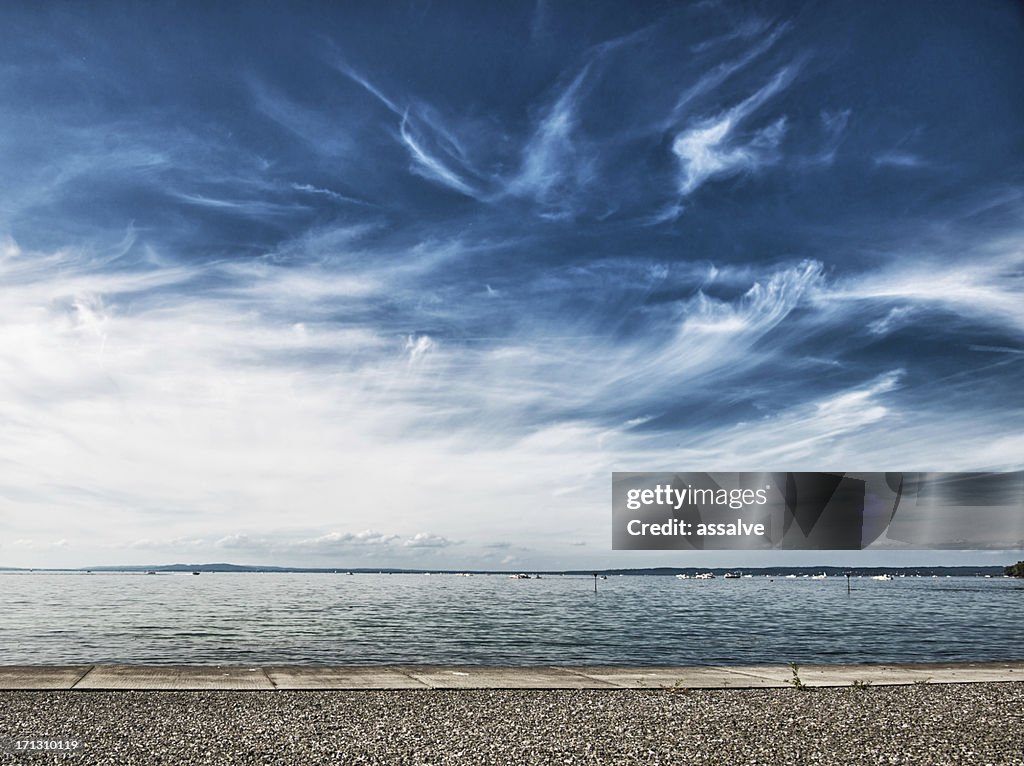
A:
{"points": [[368, 619]]}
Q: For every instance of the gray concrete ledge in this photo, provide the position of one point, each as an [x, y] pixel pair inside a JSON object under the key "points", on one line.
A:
{"points": [[206, 677]]}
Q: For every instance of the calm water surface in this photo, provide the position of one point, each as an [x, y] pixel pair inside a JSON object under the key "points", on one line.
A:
{"points": [[366, 619]]}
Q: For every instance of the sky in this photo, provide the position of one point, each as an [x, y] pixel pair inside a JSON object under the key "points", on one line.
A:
{"points": [[401, 284]]}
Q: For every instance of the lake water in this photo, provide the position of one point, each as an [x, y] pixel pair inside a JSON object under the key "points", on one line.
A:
{"points": [[447, 619]]}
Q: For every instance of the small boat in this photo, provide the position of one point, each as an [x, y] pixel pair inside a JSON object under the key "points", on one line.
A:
{"points": [[882, 577], [151, 572], [732, 575], [682, 577], [705, 576], [821, 576], [519, 576], [195, 573]]}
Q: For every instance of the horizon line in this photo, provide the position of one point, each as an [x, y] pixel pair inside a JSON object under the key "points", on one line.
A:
{"points": [[268, 568]]}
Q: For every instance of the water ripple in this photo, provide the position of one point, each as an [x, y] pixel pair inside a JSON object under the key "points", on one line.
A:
{"points": [[409, 619]]}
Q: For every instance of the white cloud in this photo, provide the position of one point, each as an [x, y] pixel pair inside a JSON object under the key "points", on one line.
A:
{"points": [[895, 319], [708, 149], [988, 288], [550, 158], [712, 335], [632, 422], [175, 543], [835, 122], [418, 347], [38, 545], [898, 159], [329, 193], [718, 74], [427, 540], [704, 152], [368, 86], [429, 165]]}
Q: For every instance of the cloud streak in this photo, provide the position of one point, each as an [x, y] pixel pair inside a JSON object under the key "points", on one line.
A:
{"points": [[429, 166]]}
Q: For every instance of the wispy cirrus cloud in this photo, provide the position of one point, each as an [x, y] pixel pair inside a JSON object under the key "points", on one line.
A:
{"points": [[429, 165], [551, 158], [433, 149], [709, 149], [718, 74], [897, 159], [990, 291]]}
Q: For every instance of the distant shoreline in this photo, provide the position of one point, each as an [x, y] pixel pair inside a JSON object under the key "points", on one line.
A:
{"points": [[831, 571]]}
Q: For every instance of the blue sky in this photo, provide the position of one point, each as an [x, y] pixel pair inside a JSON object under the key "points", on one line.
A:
{"points": [[402, 284]]}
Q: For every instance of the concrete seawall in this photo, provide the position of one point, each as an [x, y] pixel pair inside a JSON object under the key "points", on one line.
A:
{"points": [[269, 678]]}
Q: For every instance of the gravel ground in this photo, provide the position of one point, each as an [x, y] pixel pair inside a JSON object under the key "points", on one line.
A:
{"points": [[973, 724]]}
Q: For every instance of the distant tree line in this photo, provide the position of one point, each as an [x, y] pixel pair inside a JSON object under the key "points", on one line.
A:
{"points": [[1015, 570]]}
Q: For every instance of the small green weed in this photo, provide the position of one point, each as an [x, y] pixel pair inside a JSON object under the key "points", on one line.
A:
{"points": [[795, 681], [676, 688]]}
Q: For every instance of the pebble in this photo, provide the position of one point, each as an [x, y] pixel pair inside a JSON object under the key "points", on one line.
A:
{"points": [[939, 725]]}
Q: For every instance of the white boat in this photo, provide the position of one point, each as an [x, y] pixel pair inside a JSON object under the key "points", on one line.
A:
{"points": [[882, 577], [682, 577], [821, 576], [519, 576], [732, 575], [705, 576]]}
